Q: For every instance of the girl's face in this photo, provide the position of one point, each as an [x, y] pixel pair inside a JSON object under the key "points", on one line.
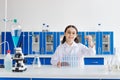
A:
{"points": [[70, 35]]}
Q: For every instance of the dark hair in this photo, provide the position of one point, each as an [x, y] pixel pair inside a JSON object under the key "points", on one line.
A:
{"points": [[76, 39]]}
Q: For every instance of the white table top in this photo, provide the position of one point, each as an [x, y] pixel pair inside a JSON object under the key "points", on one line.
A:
{"points": [[49, 71]]}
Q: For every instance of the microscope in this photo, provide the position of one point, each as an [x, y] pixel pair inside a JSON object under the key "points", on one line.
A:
{"points": [[19, 65]]}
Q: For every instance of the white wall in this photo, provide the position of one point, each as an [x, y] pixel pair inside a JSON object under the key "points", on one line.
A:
{"points": [[85, 14]]}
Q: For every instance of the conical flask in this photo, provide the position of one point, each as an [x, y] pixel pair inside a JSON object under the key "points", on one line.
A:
{"points": [[36, 61]]}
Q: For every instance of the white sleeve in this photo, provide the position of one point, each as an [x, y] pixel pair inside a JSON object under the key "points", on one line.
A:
{"points": [[56, 57]]}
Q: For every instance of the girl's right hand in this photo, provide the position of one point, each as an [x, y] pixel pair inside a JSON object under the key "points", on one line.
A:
{"points": [[59, 64]]}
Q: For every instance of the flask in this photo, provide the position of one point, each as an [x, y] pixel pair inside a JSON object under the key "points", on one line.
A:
{"points": [[8, 61], [36, 61], [15, 31]]}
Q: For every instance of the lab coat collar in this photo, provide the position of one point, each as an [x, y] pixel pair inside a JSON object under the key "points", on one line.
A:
{"points": [[73, 44]]}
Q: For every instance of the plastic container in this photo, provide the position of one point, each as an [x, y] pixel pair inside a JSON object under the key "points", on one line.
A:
{"points": [[8, 62]]}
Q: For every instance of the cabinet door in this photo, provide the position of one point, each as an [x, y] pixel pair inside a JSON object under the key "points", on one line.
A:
{"points": [[98, 43], [59, 38], [106, 42], [29, 60], [81, 37], [47, 61], [30, 43], [36, 42], [49, 42], [94, 38], [24, 42]]}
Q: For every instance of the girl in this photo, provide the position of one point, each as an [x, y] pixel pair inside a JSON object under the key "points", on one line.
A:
{"points": [[71, 50]]}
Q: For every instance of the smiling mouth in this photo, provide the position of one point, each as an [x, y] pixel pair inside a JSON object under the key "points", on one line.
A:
{"points": [[70, 37]]}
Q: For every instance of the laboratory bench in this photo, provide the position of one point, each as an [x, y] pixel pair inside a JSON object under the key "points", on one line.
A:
{"points": [[46, 72], [94, 69]]}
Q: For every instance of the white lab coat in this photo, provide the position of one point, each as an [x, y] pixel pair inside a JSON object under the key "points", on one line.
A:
{"points": [[77, 49]]}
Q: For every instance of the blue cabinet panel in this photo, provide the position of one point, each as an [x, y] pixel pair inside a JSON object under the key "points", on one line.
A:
{"points": [[25, 43], [1, 61], [47, 61], [30, 43], [29, 61], [94, 61]]}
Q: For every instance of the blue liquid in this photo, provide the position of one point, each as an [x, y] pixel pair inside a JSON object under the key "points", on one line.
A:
{"points": [[15, 40]]}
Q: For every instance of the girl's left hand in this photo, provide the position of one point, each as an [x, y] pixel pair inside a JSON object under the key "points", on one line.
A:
{"points": [[90, 40]]}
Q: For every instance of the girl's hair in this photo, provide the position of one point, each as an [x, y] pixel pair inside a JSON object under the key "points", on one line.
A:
{"points": [[76, 39]]}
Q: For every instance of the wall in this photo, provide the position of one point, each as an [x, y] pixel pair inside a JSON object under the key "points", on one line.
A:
{"points": [[85, 14]]}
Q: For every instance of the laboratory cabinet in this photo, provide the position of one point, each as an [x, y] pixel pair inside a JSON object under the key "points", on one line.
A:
{"points": [[46, 42]]}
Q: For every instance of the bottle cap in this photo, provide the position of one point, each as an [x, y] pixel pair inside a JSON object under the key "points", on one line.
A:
{"points": [[8, 51]]}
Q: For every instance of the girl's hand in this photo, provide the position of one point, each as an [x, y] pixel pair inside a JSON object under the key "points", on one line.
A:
{"points": [[59, 64], [90, 41]]}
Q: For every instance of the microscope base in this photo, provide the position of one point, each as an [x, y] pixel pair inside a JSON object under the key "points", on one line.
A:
{"points": [[19, 70]]}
